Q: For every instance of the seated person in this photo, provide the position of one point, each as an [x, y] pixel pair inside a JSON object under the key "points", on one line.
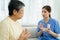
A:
{"points": [[48, 28], [10, 29]]}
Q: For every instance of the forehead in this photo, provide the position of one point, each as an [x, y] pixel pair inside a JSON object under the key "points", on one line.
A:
{"points": [[44, 9], [21, 8]]}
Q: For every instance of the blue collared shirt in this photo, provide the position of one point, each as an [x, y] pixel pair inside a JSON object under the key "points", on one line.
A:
{"points": [[54, 26]]}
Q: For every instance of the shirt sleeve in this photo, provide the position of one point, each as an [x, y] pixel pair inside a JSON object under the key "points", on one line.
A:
{"points": [[4, 32], [57, 28], [38, 29]]}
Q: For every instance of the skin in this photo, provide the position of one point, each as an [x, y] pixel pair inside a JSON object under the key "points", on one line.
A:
{"points": [[18, 15], [46, 17]]}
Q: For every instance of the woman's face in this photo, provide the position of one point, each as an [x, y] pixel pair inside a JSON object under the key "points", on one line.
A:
{"points": [[45, 13], [19, 14]]}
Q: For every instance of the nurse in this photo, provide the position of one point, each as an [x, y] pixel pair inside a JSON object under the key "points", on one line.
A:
{"points": [[10, 28], [48, 28]]}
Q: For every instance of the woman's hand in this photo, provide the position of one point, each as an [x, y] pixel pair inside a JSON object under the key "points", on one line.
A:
{"points": [[41, 26], [45, 29], [51, 32], [48, 30], [24, 35]]}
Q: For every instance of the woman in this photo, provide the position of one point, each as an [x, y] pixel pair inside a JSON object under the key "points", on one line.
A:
{"points": [[48, 28], [10, 29]]}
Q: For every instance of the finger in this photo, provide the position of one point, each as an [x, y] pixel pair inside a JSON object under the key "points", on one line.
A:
{"points": [[41, 26], [27, 35], [48, 26], [25, 30]]}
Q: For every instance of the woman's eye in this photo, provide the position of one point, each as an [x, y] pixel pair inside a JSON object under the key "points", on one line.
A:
{"points": [[44, 11]]}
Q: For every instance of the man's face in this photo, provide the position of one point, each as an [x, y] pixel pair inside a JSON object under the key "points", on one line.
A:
{"points": [[19, 14]]}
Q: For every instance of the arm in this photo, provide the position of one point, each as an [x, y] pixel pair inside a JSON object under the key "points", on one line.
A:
{"points": [[40, 33], [21, 38], [53, 34], [39, 29], [56, 30], [4, 32]]}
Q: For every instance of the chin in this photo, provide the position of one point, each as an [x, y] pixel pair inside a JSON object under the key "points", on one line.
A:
{"points": [[20, 17], [44, 17]]}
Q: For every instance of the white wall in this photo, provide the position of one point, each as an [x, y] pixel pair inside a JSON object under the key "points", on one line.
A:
{"points": [[33, 10], [57, 7], [32, 13]]}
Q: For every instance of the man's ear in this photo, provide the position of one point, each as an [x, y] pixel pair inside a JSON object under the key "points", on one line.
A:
{"points": [[14, 12]]}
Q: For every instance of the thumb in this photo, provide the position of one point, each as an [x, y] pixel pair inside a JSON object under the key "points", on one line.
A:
{"points": [[48, 26], [25, 31], [41, 26]]}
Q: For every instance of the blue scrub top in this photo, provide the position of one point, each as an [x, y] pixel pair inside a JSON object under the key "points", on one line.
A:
{"points": [[54, 26]]}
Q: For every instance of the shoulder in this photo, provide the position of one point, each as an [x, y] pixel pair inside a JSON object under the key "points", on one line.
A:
{"points": [[4, 23], [54, 21], [40, 21], [5, 20]]}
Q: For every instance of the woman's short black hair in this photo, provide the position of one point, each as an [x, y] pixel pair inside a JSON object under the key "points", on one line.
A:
{"points": [[14, 4], [48, 8]]}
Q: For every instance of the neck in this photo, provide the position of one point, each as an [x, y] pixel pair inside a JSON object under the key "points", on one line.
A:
{"points": [[13, 18], [46, 19]]}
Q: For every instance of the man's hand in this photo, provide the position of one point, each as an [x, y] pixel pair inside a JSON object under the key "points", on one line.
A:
{"points": [[24, 35]]}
